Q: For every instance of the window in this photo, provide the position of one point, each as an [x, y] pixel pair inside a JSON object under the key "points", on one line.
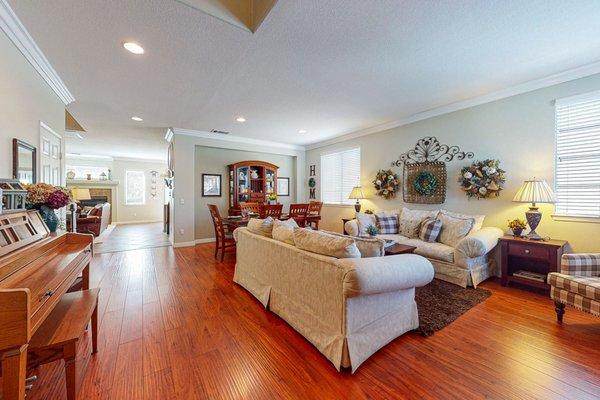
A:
{"points": [[578, 156], [135, 188], [340, 172]]}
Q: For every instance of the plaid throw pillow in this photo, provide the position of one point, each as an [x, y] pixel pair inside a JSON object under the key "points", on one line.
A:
{"points": [[430, 229], [387, 224]]}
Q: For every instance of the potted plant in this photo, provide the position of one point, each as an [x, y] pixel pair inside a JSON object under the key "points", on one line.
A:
{"points": [[517, 226], [48, 198], [372, 230], [272, 198]]}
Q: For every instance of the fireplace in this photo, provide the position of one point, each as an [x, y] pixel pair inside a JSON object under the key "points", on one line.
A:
{"points": [[93, 201]]}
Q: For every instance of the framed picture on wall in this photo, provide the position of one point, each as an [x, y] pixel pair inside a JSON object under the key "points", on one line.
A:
{"points": [[283, 186], [211, 185]]}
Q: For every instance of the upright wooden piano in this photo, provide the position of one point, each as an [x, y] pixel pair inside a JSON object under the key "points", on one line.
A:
{"points": [[36, 270]]}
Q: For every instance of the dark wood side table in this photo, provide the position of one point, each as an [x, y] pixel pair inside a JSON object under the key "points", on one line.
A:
{"points": [[529, 256], [398, 248]]}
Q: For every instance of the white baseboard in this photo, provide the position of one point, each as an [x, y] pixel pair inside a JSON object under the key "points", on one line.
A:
{"points": [[148, 221], [205, 240]]}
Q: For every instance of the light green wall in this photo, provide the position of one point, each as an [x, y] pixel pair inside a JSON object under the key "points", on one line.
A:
{"points": [[210, 160], [519, 131]]}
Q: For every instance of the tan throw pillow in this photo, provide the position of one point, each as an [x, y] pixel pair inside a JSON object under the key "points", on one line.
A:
{"points": [[323, 243], [454, 229], [263, 227], [410, 221], [477, 217], [368, 247], [363, 221], [284, 230]]}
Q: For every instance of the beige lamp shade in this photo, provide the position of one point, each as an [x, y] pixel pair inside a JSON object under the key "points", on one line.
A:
{"points": [[81, 194], [535, 191], [356, 193]]}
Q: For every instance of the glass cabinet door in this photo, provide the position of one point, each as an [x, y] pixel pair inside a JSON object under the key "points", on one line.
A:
{"points": [[269, 180], [243, 176]]}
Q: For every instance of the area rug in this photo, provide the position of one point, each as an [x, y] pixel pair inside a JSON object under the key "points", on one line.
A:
{"points": [[440, 303]]}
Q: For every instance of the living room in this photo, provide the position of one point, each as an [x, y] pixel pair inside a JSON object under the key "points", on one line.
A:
{"points": [[306, 199]]}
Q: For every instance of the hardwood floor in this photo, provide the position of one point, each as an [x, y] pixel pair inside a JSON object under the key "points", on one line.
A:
{"points": [[133, 237], [174, 326]]}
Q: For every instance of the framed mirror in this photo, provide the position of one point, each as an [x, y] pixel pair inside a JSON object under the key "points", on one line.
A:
{"points": [[24, 162]]}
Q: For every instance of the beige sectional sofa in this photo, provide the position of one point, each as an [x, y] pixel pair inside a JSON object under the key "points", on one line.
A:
{"points": [[467, 262], [347, 308]]}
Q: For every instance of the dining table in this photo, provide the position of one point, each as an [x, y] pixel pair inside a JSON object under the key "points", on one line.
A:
{"points": [[234, 222]]}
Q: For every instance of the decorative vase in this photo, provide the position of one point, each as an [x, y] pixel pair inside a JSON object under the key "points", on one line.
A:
{"points": [[517, 232], [254, 174], [89, 177], [50, 218], [71, 175]]}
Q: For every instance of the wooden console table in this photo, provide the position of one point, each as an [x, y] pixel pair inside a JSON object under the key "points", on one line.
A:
{"points": [[520, 254]]}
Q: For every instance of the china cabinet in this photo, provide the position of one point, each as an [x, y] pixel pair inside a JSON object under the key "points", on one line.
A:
{"points": [[251, 181]]}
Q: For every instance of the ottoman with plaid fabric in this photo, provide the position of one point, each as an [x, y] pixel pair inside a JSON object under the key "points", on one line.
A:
{"points": [[577, 284]]}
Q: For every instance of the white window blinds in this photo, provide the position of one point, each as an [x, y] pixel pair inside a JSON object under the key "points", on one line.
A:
{"points": [[578, 156], [340, 172]]}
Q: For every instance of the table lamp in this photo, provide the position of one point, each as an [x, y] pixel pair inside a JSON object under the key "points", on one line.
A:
{"points": [[80, 194], [534, 191], [357, 194]]}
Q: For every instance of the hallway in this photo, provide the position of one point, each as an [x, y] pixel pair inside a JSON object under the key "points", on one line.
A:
{"points": [[133, 237]]}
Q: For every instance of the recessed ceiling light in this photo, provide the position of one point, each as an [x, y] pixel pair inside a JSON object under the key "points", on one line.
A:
{"points": [[133, 47], [240, 119], [137, 119], [302, 131]]}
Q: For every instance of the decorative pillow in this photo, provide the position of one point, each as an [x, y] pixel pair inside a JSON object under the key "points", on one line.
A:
{"points": [[284, 230], [454, 229], [263, 227], [410, 220], [430, 229], [387, 224], [323, 243], [363, 220], [478, 218], [368, 247]]}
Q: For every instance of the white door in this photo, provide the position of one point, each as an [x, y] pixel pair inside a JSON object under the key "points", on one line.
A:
{"points": [[50, 156]]}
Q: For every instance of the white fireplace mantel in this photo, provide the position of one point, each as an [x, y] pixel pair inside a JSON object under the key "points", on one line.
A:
{"points": [[84, 183]]}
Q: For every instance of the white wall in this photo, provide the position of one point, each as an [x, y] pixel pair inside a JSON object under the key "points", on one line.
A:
{"points": [[25, 100], [122, 213], [210, 160], [519, 131]]}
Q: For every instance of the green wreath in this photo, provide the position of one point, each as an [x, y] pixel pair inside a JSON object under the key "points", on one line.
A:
{"points": [[312, 182], [425, 183]]}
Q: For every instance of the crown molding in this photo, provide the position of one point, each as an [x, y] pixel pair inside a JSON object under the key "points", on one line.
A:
{"points": [[16, 32], [561, 77], [235, 139]]}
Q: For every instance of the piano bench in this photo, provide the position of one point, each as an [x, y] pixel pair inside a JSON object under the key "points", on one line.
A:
{"points": [[57, 337]]}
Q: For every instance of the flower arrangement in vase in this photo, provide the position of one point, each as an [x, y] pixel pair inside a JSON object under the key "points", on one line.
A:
{"points": [[517, 226], [272, 198], [48, 198]]}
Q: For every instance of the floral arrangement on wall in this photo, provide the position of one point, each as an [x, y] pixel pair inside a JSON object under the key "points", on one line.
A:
{"points": [[386, 183], [482, 179]]}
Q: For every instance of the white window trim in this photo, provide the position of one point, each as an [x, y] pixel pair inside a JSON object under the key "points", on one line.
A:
{"points": [[332, 151], [559, 103], [143, 203]]}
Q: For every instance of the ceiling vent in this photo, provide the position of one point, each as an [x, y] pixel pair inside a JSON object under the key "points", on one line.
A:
{"points": [[219, 132]]}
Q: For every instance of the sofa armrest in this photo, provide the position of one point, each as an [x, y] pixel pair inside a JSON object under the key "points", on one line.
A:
{"points": [[88, 220], [478, 243], [581, 264], [385, 274], [351, 227]]}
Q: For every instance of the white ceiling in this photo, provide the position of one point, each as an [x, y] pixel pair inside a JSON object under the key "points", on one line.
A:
{"points": [[327, 66]]}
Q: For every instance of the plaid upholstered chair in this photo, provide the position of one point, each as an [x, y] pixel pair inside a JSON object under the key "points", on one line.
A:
{"points": [[577, 284]]}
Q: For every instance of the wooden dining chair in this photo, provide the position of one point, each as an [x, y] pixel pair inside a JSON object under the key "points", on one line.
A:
{"points": [[250, 207], [298, 212], [223, 238], [314, 210], [270, 210]]}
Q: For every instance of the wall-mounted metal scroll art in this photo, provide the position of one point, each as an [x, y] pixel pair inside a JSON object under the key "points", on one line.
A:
{"points": [[312, 183], [424, 170]]}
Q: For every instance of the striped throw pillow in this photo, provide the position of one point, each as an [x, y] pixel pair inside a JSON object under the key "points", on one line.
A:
{"points": [[387, 223], [430, 229]]}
